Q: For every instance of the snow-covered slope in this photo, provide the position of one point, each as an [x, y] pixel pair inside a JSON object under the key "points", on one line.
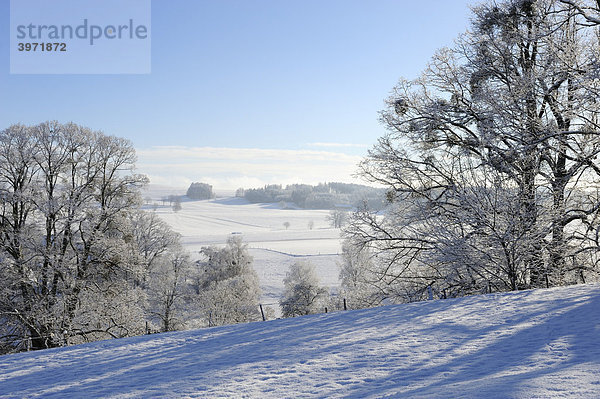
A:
{"points": [[530, 344]]}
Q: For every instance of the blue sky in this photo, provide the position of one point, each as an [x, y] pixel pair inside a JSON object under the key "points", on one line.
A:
{"points": [[246, 75]]}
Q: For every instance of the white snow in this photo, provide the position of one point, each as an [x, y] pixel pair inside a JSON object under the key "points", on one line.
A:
{"points": [[274, 248], [210, 222], [529, 344]]}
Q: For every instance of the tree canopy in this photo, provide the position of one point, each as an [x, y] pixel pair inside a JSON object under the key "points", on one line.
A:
{"points": [[491, 160]]}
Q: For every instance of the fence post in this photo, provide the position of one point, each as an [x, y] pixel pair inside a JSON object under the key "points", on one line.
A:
{"points": [[262, 312], [345, 307], [325, 309], [430, 292]]}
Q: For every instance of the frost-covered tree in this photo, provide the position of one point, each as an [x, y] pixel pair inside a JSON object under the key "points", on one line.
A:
{"points": [[490, 159], [359, 278], [67, 258], [153, 238], [302, 294], [200, 191], [337, 218], [226, 286], [166, 271], [589, 9], [168, 289]]}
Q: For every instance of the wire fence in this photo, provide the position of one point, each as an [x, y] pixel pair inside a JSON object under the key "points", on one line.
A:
{"points": [[325, 309], [26, 343]]}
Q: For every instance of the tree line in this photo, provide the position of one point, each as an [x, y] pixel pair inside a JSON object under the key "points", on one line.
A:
{"points": [[322, 196]]}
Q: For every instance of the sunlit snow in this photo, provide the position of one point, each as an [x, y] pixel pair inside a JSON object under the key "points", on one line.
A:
{"points": [[529, 344]]}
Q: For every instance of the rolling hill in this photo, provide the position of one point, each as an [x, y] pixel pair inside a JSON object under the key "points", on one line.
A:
{"points": [[528, 344]]}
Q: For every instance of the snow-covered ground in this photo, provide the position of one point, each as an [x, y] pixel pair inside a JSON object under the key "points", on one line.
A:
{"points": [[210, 222], [529, 344], [274, 247]]}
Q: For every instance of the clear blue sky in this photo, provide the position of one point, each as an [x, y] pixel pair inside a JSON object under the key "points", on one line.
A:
{"points": [[268, 74]]}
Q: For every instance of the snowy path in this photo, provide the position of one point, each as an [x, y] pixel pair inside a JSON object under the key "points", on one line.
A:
{"points": [[530, 344]]}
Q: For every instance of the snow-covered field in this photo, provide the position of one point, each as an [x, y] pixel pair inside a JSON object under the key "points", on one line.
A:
{"points": [[529, 344], [274, 247], [210, 222]]}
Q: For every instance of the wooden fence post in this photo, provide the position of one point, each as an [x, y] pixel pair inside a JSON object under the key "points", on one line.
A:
{"points": [[262, 312], [345, 307]]}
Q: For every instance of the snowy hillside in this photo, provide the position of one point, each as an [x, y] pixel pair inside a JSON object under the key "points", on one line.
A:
{"points": [[530, 344]]}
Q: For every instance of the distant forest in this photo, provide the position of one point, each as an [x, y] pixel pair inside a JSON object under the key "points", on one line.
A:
{"points": [[321, 196]]}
